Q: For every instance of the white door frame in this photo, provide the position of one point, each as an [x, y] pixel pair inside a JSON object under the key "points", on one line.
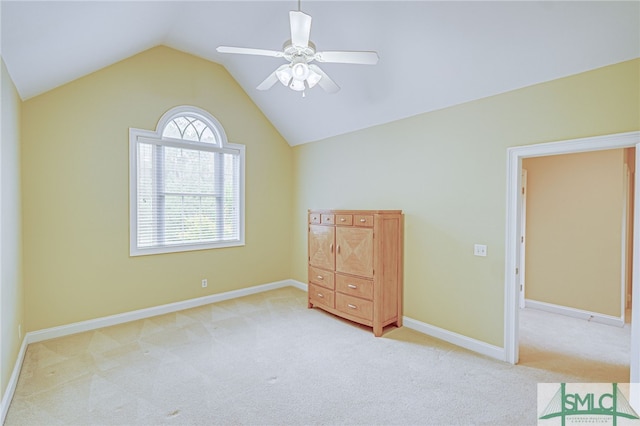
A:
{"points": [[512, 243]]}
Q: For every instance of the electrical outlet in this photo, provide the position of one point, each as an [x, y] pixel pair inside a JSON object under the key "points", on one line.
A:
{"points": [[204, 283], [480, 250]]}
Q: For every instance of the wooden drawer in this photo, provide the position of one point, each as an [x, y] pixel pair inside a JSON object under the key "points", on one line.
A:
{"points": [[353, 286], [314, 218], [363, 220], [321, 296], [344, 219], [354, 306], [327, 219], [321, 277]]}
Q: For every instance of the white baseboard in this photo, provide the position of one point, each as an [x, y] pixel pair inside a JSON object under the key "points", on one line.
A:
{"points": [[456, 339], [13, 382], [298, 285], [575, 313], [78, 327]]}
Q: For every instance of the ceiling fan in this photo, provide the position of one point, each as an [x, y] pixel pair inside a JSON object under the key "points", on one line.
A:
{"points": [[300, 74]]}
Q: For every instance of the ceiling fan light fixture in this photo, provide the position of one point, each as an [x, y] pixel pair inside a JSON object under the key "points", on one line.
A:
{"points": [[313, 78], [284, 75], [297, 85], [300, 70]]}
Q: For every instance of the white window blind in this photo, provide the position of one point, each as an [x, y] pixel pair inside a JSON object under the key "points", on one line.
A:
{"points": [[188, 191]]}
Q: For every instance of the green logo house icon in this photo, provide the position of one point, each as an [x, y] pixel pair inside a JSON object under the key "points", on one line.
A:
{"points": [[588, 404]]}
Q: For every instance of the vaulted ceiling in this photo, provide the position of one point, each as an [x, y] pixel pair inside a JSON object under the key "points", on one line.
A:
{"points": [[432, 54]]}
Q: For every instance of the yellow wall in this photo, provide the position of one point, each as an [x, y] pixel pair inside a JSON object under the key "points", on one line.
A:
{"points": [[447, 171], [11, 289], [75, 159], [575, 206]]}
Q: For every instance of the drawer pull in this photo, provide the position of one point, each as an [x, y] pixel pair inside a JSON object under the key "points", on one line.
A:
{"points": [[352, 306], [342, 219], [352, 286], [320, 277], [363, 220], [331, 247], [320, 295]]}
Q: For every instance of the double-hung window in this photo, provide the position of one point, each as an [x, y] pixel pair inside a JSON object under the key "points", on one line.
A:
{"points": [[186, 185]]}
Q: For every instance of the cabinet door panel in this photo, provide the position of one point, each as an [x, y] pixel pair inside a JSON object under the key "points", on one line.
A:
{"points": [[354, 251], [321, 246]]}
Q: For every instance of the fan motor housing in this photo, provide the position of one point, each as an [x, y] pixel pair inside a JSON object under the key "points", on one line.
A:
{"points": [[291, 51]]}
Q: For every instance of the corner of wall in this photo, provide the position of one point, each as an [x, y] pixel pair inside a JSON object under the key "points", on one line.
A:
{"points": [[11, 288]]}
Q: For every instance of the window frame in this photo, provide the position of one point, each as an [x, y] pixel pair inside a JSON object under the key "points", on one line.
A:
{"points": [[155, 137]]}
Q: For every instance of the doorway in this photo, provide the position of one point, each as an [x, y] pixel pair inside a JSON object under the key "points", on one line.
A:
{"points": [[513, 249], [574, 265], [577, 243]]}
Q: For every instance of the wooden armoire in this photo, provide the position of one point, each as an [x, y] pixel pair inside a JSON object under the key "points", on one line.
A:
{"points": [[356, 265]]}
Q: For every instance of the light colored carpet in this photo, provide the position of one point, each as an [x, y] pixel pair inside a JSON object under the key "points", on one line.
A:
{"points": [[589, 351], [268, 360]]}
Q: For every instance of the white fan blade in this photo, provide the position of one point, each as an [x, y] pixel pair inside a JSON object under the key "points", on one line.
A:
{"points": [[300, 28], [250, 51], [325, 82], [268, 82], [344, 57], [272, 79]]}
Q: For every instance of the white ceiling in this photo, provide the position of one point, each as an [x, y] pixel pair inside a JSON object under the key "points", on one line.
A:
{"points": [[432, 54]]}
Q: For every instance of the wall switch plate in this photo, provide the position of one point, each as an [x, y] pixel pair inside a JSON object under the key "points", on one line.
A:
{"points": [[479, 250], [204, 283]]}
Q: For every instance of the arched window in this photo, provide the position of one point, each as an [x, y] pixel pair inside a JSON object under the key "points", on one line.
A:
{"points": [[186, 185]]}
